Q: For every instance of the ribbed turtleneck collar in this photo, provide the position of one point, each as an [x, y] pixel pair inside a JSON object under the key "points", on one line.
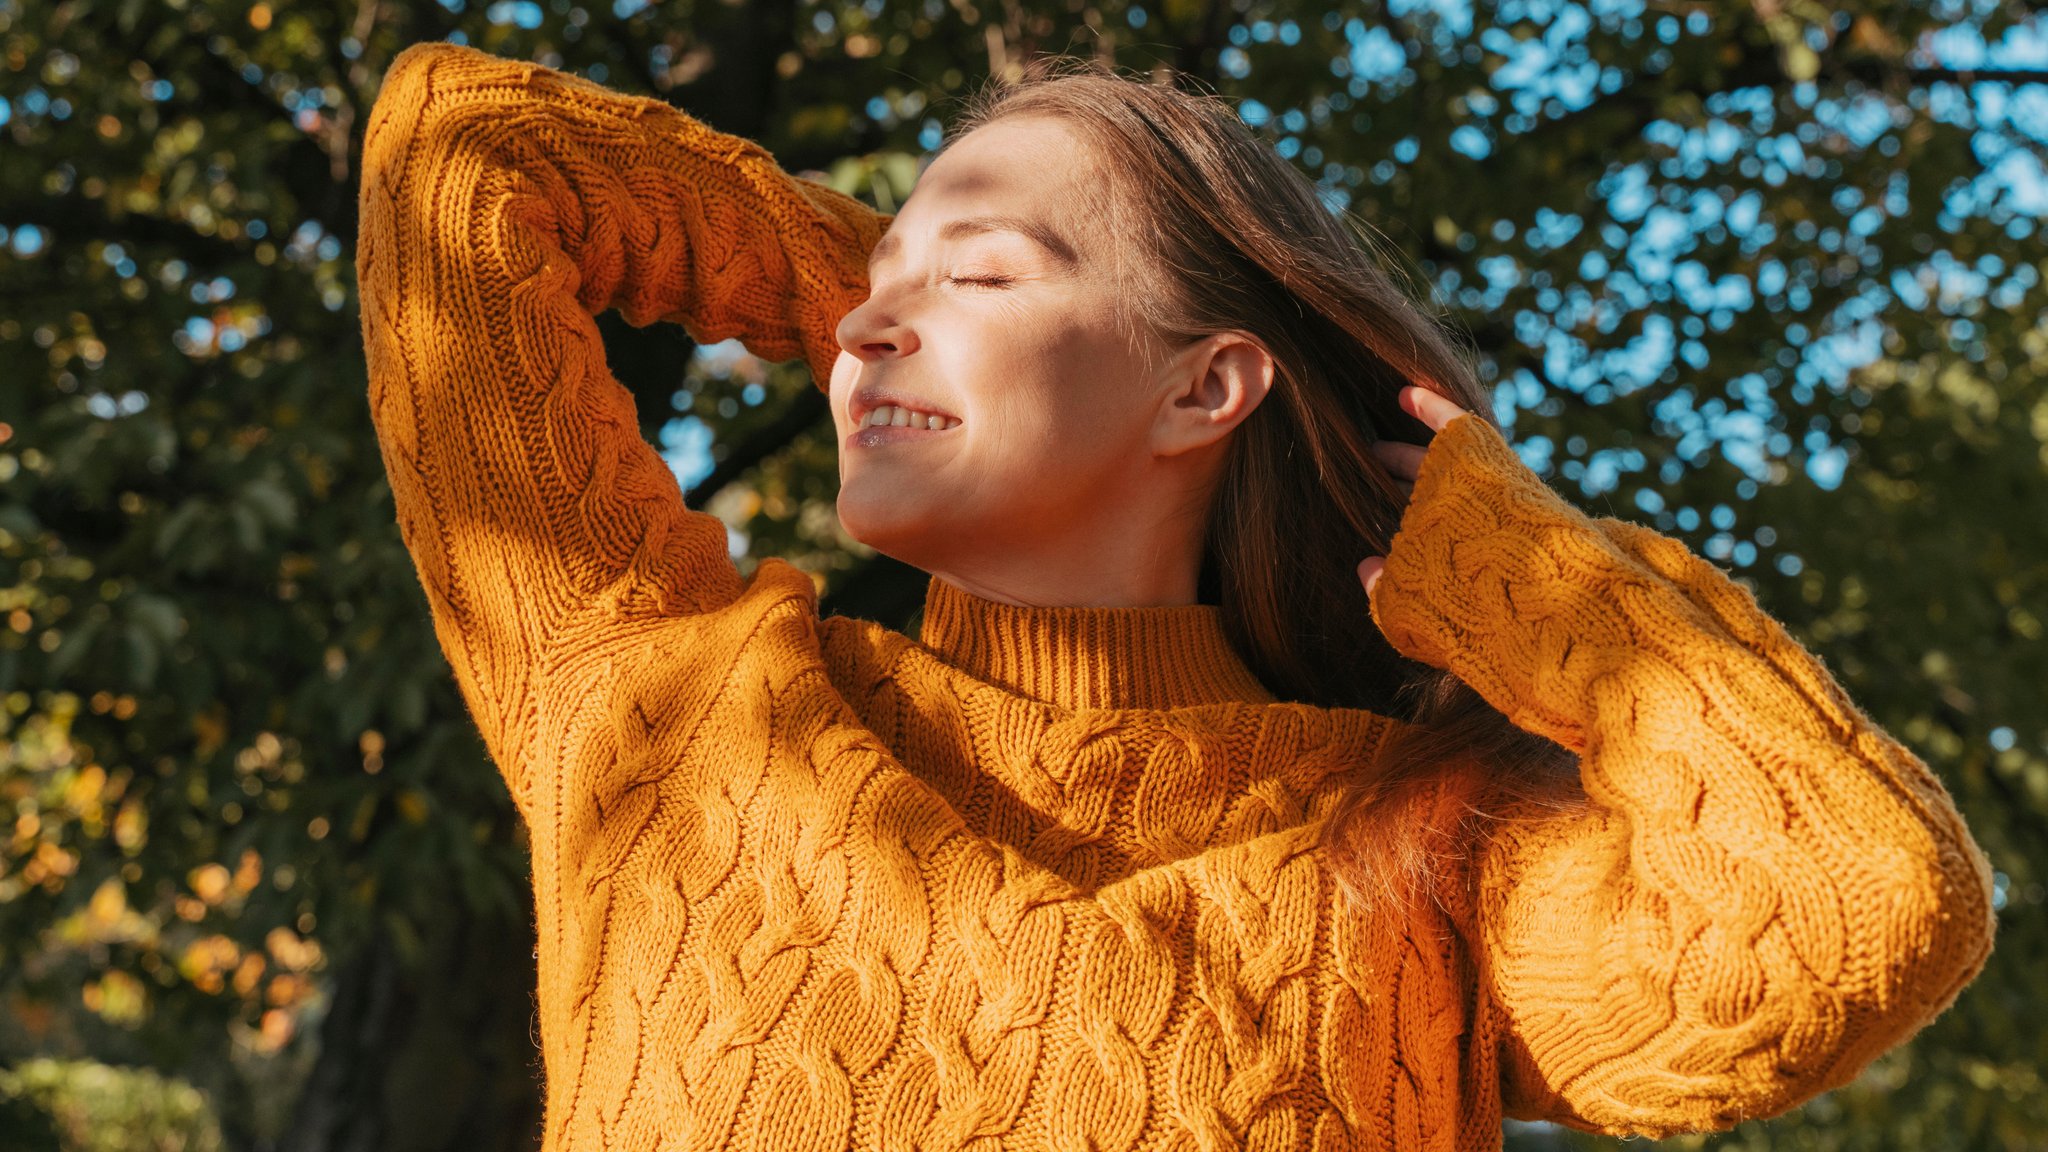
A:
{"points": [[1170, 657]]}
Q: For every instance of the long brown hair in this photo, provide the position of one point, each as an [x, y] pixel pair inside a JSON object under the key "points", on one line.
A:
{"points": [[1238, 239]]}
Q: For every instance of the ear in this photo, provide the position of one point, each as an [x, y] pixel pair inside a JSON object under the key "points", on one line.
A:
{"points": [[1207, 389]]}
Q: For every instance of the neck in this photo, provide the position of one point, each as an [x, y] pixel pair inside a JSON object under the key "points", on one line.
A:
{"points": [[1148, 555], [1050, 586]]}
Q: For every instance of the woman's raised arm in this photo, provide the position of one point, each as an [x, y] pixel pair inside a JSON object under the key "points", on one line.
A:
{"points": [[503, 206], [1766, 890]]}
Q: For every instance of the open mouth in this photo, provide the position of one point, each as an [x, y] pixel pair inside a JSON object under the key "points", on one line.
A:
{"points": [[897, 416]]}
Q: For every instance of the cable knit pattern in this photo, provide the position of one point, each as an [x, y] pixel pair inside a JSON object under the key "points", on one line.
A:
{"points": [[1768, 891], [1052, 878]]}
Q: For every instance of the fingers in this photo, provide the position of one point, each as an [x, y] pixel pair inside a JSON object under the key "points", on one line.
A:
{"points": [[1402, 459], [1428, 407], [1369, 572]]}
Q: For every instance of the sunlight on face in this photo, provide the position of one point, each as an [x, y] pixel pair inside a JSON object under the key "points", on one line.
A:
{"points": [[993, 307]]}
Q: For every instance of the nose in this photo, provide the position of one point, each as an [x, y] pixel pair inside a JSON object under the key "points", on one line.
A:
{"points": [[871, 331]]}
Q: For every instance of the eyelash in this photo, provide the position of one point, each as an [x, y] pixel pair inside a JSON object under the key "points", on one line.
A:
{"points": [[986, 281]]}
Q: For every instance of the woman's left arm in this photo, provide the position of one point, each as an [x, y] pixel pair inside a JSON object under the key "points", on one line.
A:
{"points": [[1766, 890]]}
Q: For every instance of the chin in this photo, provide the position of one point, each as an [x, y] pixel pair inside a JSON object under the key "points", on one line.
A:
{"points": [[887, 526]]}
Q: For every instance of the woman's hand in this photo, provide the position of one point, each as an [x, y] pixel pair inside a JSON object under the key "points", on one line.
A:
{"points": [[1405, 460]]}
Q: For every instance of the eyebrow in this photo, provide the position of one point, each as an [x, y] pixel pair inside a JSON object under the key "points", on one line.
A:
{"points": [[1045, 237]]}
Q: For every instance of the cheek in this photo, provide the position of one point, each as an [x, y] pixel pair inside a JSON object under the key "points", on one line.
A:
{"points": [[1080, 404], [847, 374], [1052, 380], [1051, 409]]}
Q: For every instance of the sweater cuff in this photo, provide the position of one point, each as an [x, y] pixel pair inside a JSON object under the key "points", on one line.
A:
{"points": [[1500, 580]]}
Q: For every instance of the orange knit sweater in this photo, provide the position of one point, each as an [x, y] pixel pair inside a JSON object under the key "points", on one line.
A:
{"points": [[1050, 878]]}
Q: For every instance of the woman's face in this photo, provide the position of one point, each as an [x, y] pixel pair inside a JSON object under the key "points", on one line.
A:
{"points": [[993, 306]]}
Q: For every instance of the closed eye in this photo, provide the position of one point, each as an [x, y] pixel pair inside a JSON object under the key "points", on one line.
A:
{"points": [[981, 281]]}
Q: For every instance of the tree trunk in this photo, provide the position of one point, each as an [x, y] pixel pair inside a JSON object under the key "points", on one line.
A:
{"points": [[437, 1056]]}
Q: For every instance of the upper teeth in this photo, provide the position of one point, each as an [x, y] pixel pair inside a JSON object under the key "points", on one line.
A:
{"points": [[905, 418]]}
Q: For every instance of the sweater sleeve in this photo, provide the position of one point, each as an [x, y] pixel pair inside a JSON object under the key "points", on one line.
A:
{"points": [[1765, 890], [503, 206]]}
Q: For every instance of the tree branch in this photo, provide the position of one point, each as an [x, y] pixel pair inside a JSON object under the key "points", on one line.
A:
{"points": [[804, 411]]}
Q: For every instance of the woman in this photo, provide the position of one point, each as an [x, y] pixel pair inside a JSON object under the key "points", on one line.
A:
{"points": [[1161, 832]]}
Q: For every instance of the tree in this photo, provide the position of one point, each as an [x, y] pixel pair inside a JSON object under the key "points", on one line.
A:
{"points": [[1759, 271]]}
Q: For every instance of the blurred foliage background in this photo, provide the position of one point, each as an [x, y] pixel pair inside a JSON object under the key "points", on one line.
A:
{"points": [[1765, 275]]}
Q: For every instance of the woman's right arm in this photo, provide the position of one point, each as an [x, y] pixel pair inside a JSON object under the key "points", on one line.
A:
{"points": [[503, 206]]}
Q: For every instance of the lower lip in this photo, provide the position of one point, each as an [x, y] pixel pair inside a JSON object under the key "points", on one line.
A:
{"points": [[875, 436]]}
